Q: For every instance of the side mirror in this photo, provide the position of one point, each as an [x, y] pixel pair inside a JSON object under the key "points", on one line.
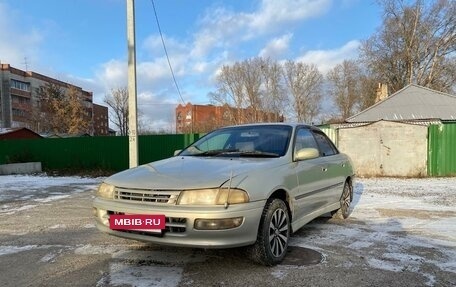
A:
{"points": [[307, 153], [177, 151]]}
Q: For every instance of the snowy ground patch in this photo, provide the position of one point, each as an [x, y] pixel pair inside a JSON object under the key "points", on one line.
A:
{"points": [[396, 225], [17, 192]]}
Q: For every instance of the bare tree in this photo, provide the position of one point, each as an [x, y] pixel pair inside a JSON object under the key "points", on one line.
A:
{"points": [[345, 88], [368, 86], [230, 91], [118, 103], [275, 98], [252, 80], [416, 44], [304, 84], [250, 91]]}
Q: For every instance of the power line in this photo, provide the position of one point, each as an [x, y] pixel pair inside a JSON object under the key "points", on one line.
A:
{"points": [[166, 53]]}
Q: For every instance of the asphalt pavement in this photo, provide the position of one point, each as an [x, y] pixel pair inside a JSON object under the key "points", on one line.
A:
{"points": [[46, 242]]}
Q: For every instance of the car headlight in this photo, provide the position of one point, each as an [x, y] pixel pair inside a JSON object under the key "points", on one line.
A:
{"points": [[213, 196], [105, 190]]}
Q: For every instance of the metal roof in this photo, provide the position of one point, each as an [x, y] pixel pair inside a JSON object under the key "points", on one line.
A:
{"points": [[411, 103]]}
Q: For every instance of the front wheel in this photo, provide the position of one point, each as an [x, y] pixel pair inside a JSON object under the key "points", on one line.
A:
{"points": [[273, 234], [344, 211]]}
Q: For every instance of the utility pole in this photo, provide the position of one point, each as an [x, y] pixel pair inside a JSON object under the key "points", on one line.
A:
{"points": [[132, 105]]}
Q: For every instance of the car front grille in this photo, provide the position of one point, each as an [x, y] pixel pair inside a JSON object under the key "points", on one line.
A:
{"points": [[147, 196], [175, 224]]}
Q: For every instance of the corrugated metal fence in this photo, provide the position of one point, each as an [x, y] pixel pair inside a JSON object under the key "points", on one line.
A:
{"points": [[111, 153], [106, 153], [331, 133], [442, 150]]}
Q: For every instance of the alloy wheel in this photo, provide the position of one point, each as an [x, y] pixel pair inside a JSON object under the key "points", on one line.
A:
{"points": [[278, 232]]}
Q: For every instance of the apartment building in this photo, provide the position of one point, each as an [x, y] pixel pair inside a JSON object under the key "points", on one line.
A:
{"points": [[19, 101], [100, 120]]}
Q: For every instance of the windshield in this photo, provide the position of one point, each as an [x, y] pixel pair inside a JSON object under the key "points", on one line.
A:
{"points": [[250, 141]]}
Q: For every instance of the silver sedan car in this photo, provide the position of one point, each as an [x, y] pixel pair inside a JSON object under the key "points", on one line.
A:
{"points": [[249, 185]]}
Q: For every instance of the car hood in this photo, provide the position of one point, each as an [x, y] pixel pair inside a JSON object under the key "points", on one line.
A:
{"points": [[189, 172]]}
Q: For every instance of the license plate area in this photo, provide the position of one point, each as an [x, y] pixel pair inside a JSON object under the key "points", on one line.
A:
{"points": [[149, 223]]}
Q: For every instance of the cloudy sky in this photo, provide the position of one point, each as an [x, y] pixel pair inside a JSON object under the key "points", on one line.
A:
{"points": [[84, 42]]}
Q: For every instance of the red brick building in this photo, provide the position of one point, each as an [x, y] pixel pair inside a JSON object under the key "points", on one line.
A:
{"points": [[204, 118], [18, 100], [100, 120]]}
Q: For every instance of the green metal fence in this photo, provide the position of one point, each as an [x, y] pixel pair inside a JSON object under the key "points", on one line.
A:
{"points": [[442, 150], [106, 153]]}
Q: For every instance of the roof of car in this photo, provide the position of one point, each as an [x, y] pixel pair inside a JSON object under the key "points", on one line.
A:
{"points": [[292, 124]]}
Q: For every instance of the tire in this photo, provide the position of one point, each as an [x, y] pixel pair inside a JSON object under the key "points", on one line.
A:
{"points": [[273, 234], [345, 199]]}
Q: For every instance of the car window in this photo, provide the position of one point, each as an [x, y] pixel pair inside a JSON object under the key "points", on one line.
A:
{"points": [[246, 141], [216, 142], [304, 139], [324, 143]]}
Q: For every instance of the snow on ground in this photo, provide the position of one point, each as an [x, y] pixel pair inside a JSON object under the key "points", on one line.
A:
{"points": [[22, 192], [396, 225]]}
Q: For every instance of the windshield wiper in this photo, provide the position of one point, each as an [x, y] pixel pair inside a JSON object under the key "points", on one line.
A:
{"points": [[236, 152], [216, 152], [257, 153]]}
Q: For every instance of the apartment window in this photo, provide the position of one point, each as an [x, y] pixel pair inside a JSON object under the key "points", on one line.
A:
{"points": [[19, 113], [19, 100], [20, 85]]}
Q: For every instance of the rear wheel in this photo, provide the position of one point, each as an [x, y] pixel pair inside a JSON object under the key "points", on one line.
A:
{"points": [[273, 234], [344, 211]]}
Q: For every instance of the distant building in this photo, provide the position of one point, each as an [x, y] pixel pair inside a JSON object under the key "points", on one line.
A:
{"points": [[18, 99], [411, 133], [18, 133], [204, 118], [413, 103], [100, 120]]}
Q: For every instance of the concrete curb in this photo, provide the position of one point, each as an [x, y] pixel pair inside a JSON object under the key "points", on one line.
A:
{"points": [[20, 168]]}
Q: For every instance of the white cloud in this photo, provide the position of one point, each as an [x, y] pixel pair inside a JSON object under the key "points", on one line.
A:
{"points": [[276, 47], [153, 71], [153, 45], [156, 111], [274, 13], [16, 43], [112, 74], [221, 28], [327, 59]]}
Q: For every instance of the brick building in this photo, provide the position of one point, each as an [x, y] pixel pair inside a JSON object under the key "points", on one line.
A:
{"points": [[100, 120], [204, 118], [19, 99]]}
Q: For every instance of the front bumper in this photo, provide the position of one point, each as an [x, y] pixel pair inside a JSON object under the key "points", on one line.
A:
{"points": [[180, 221]]}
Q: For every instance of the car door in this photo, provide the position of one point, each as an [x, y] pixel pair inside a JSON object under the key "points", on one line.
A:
{"points": [[332, 163], [311, 176]]}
